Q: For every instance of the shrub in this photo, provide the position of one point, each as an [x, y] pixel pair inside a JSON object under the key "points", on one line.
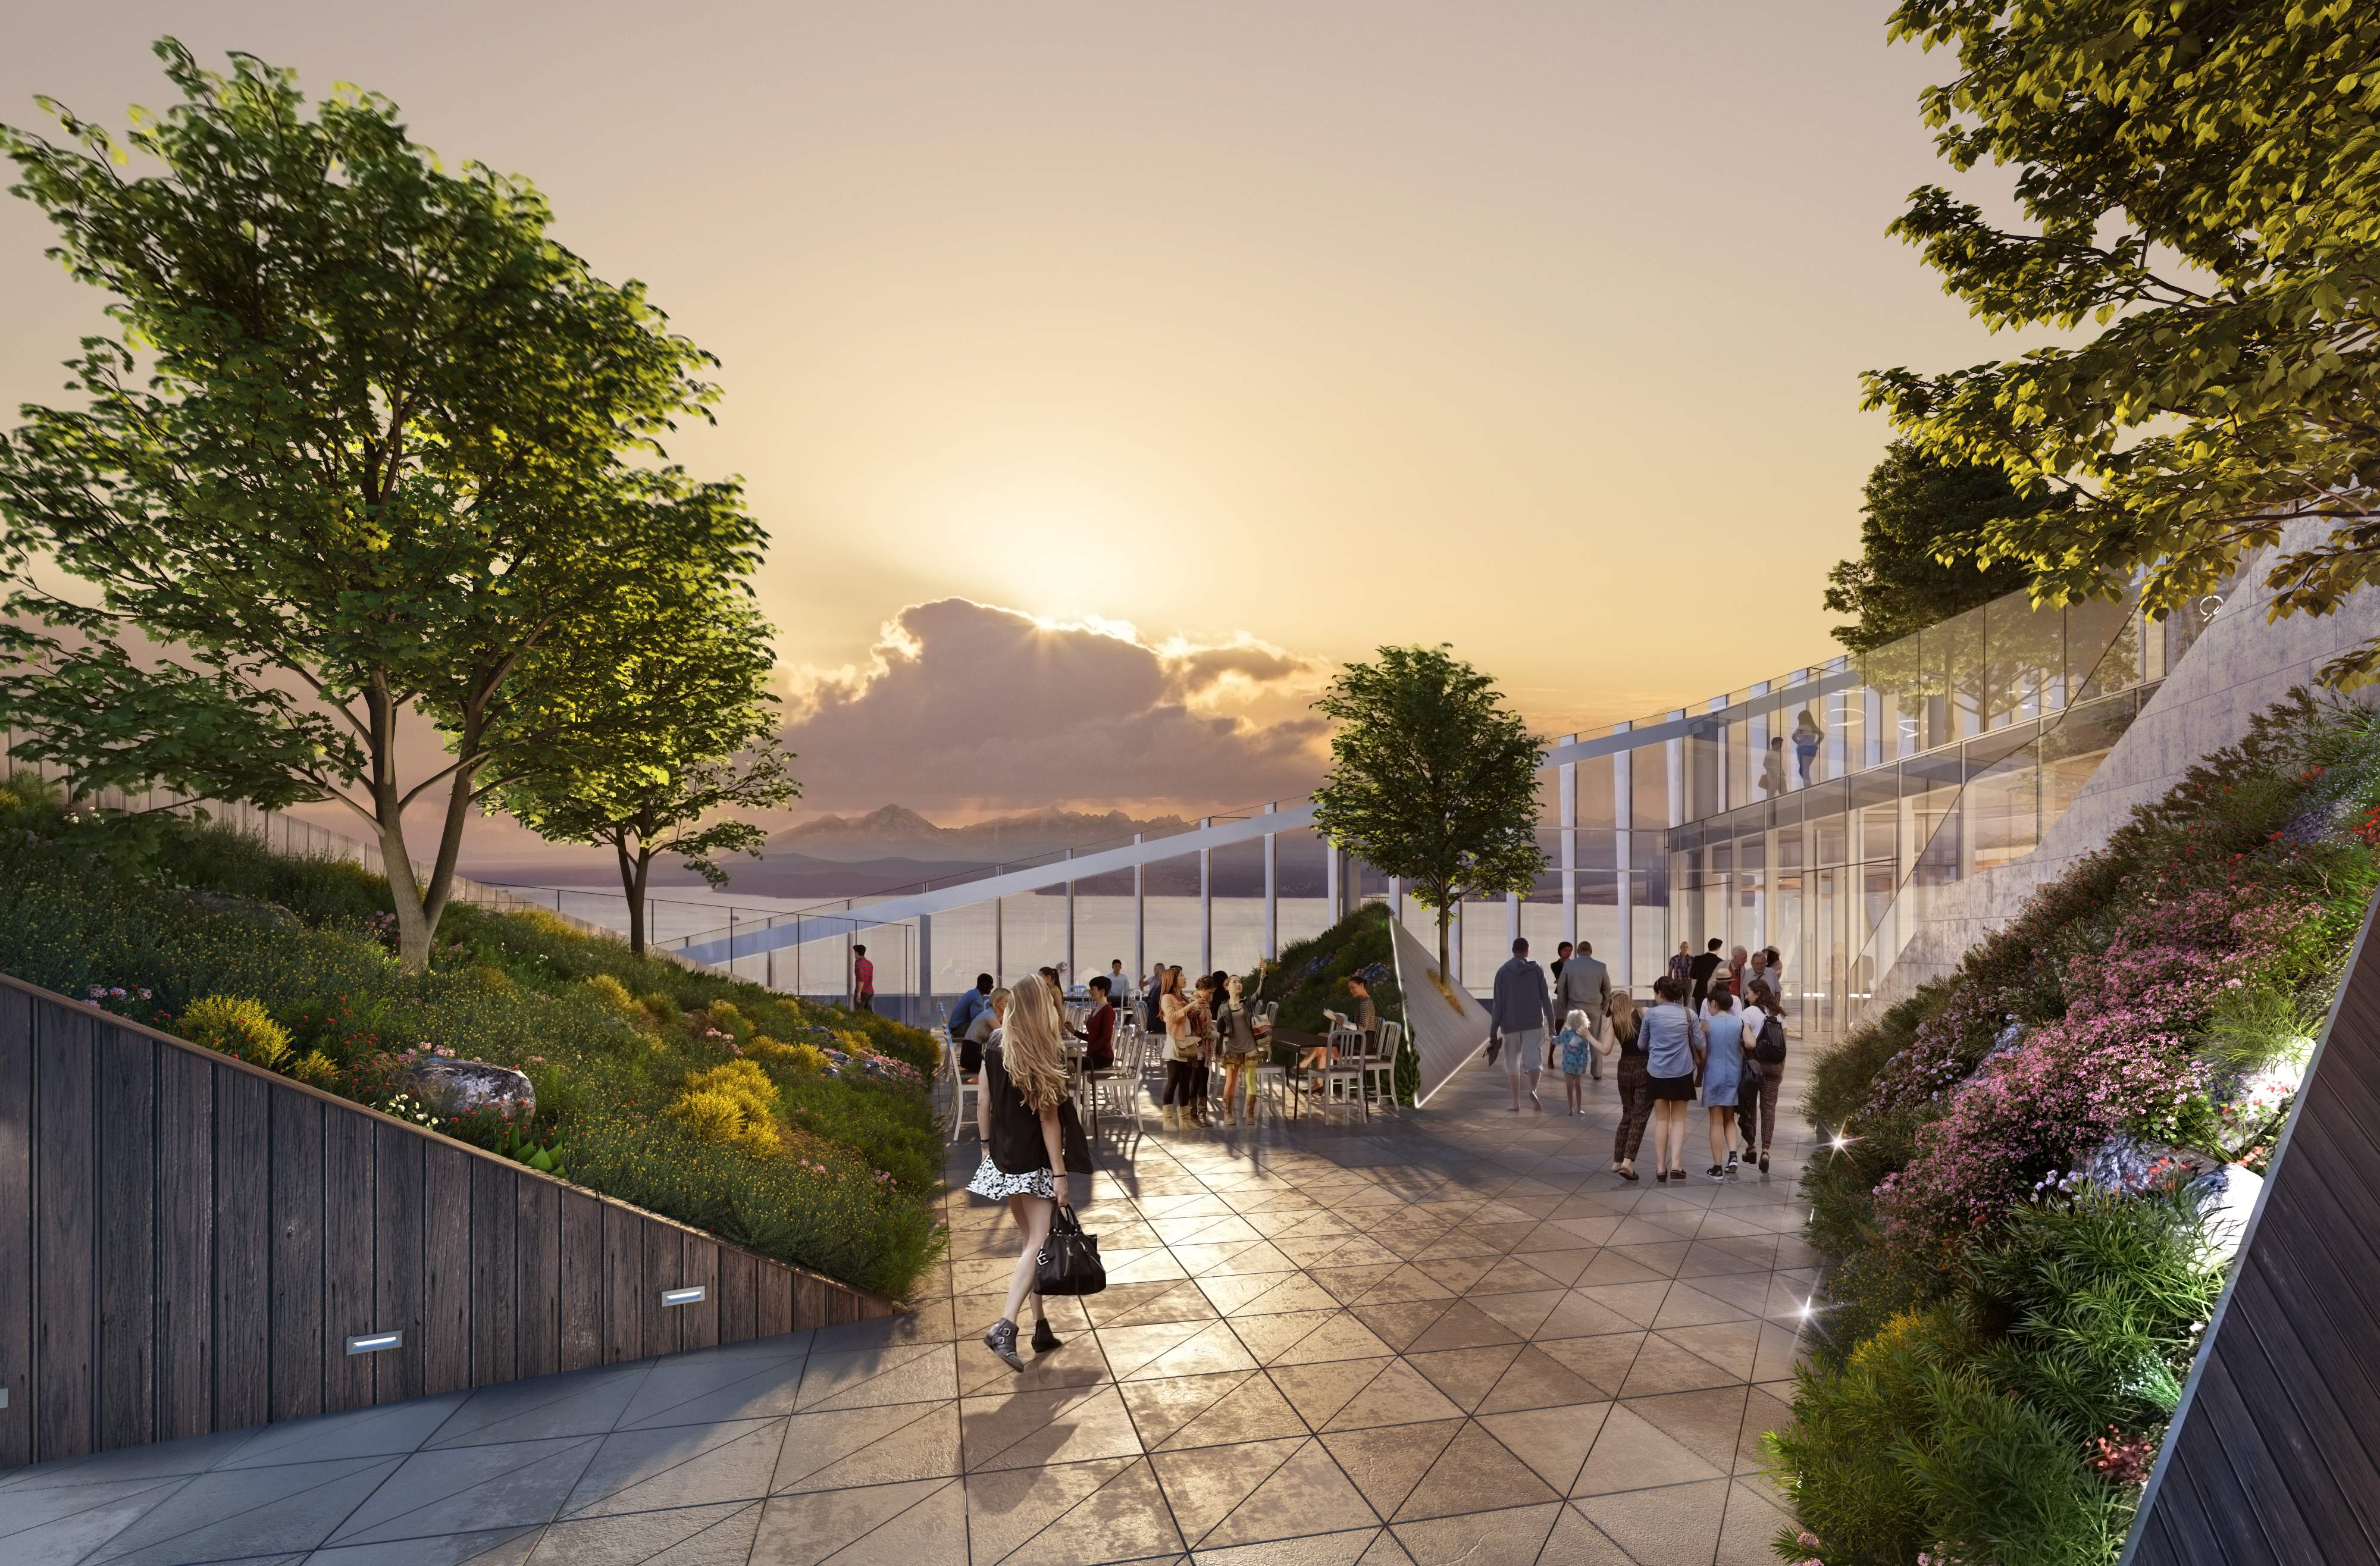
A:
{"points": [[734, 1103], [615, 997], [802, 1059], [236, 1025], [316, 1069], [811, 1212]]}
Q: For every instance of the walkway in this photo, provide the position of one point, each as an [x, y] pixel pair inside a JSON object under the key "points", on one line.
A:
{"points": [[1435, 1339]]}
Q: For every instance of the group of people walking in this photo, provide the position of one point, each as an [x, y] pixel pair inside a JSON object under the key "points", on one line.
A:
{"points": [[1715, 1035], [1207, 1022]]}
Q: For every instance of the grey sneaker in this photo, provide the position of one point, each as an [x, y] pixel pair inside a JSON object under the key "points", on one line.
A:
{"points": [[1001, 1340]]}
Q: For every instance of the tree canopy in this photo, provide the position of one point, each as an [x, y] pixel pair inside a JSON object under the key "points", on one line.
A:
{"points": [[1433, 779], [2199, 191], [369, 446], [701, 739], [1921, 536]]}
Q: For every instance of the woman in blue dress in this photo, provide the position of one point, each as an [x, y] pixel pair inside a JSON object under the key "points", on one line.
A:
{"points": [[1723, 1042]]}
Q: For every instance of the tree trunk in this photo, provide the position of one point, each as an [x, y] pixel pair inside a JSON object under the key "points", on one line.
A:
{"points": [[1445, 974], [414, 926], [635, 871]]}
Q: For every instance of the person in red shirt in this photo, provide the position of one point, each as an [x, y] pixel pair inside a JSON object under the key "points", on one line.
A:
{"points": [[863, 981], [1098, 1028]]}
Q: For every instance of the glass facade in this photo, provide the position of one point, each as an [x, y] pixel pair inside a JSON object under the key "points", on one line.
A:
{"points": [[1825, 811]]}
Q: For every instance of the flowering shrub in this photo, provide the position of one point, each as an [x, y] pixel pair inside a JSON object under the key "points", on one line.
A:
{"points": [[236, 1025], [2014, 1219]]}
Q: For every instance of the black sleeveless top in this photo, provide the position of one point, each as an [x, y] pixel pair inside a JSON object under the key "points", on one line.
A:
{"points": [[1017, 1145]]}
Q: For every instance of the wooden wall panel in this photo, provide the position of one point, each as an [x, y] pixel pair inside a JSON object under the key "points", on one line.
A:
{"points": [[446, 1268], [16, 1227], [299, 1362], [664, 1269], [186, 1242], [66, 1243], [585, 1332], [397, 1191], [537, 1273], [698, 1325], [243, 1224], [494, 1276], [624, 1284], [128, 1238], [350, 1294]]}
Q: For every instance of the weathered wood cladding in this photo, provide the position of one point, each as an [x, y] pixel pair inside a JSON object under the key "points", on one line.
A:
{"points": [[2272, 1457], [186, 1244]]}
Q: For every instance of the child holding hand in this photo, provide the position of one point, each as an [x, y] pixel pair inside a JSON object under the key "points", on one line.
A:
{"points": [[1573, 1042]]}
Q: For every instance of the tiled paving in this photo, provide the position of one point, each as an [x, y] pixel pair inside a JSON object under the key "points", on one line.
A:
{"points": [[1452, 1335]]}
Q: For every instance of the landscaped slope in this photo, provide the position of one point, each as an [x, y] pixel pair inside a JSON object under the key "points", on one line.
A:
{"points": [[1311, 976], [798, 1130], [2034, 1163]]}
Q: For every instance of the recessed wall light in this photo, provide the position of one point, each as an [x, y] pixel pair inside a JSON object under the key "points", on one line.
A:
{"points": [[691, 1296], [373, 1342]]}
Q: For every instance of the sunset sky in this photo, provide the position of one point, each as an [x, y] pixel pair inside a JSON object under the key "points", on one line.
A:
{"points": [[1103, 370]]}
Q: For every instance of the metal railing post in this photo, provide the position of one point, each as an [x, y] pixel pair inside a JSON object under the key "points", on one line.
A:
{"points": [[1272, 888], [1206, 901]]}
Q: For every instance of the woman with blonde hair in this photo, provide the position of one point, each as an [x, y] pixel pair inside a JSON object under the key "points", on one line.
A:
{"points": [[1031, 1136]]}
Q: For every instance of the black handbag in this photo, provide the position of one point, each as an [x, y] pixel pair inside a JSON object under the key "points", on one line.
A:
{"points": [[1068, 1262]]}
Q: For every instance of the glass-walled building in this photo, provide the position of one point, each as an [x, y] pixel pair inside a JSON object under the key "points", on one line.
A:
{"points": [[1818, 811]]}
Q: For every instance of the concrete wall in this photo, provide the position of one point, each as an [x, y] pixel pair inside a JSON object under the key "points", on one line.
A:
{"points": [[2241, 665]]}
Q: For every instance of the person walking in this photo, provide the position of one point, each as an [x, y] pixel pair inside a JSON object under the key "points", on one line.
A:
{"points": [[1772, 769], [1723, 1053], [1667, 1034], [863, 981], [1178, 1017], [1562, 955], [1522, 1015], [1706, 964], [1682, 965], [1585, 984], [1807, 737], [1635, 1086], [1118, 984], [1763, 1074], [1153, 998], [1031, 1137]]}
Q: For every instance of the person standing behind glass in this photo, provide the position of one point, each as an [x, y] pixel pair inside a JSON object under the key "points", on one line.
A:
{"points": [[1522, 1015], [1807, 737], [1772, 769]]}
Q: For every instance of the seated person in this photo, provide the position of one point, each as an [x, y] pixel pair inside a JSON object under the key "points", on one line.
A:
{"points": [[980, 1033], [1098, 1039]]}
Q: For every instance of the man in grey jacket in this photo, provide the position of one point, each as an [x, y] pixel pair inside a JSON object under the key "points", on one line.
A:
{"points": [[1521, 1013], [1585, 984]]}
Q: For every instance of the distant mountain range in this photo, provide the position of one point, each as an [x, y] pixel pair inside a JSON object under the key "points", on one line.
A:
{"points": [[893, 847], [895, 830]]}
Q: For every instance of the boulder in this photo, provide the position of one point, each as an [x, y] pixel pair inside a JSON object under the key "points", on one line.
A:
{"points": [[445, 1086]]}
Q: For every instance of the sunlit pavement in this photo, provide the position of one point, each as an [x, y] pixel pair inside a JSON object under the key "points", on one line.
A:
{"points": [[1448, 1336]]}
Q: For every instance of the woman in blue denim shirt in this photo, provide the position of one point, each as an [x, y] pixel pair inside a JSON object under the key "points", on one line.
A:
{"points": [[1667, 1037]]}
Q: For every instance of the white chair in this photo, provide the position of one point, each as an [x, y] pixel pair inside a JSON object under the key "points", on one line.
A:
{"points": [[963, 1091], [1379, 1068]]}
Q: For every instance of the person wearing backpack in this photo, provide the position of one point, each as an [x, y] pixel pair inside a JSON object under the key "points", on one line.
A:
{"points": [[1764, 1074]]}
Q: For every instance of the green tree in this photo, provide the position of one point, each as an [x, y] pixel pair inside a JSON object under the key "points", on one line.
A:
{"points": [[369, 449], [2198, 191], [705, 742], [1922, 533], [1432, 778]]}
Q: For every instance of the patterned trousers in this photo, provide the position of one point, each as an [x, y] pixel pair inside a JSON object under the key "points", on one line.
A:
{"points": [[1756, 1110], [1635, 1105]]}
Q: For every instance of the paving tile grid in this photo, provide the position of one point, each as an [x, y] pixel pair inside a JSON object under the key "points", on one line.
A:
{"points": [[1450, 1335]]}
